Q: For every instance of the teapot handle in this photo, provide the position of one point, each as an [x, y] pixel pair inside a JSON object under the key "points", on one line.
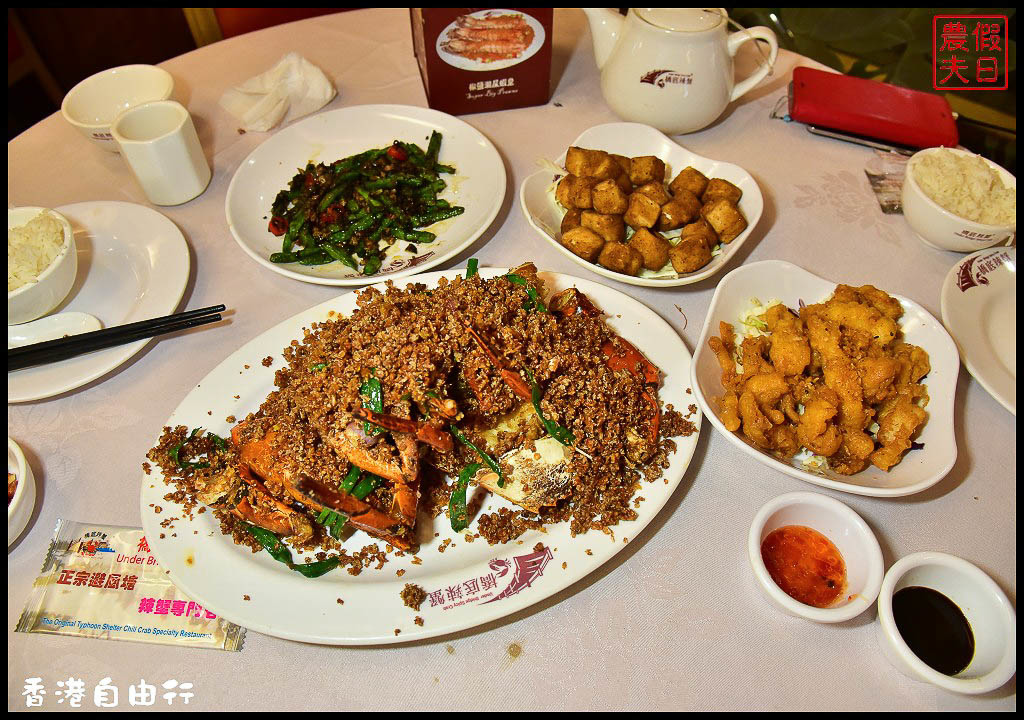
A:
{"points": [[755, 33]]}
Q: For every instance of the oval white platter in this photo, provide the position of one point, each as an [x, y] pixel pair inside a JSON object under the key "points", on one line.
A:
{"points": [[467, 585], [777, 280], [537, 198], [478, 185]]}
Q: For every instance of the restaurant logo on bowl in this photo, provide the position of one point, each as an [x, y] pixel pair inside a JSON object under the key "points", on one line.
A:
{"points": [[971, 52]]}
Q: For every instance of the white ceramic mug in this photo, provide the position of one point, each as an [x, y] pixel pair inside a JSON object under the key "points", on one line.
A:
{"points": [[159, 142]]}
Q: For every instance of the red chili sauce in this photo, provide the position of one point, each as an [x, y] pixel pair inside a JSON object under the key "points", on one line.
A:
{"points": [[805, 564]]}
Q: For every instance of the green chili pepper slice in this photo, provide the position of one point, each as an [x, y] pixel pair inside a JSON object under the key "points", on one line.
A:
{"points": [[457, 511], [538, 304], [558, 432], [488, 460], [350, 480], [367, 485]]}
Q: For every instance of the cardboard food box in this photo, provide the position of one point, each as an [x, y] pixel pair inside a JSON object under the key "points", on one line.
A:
{"points": [[480, 60]]}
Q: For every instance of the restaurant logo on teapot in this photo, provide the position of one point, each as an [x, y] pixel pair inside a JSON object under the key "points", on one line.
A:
{"points": [[661, 78]]}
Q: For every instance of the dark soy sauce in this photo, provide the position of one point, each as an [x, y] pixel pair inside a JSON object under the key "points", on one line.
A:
{"points": [[934, 628]]}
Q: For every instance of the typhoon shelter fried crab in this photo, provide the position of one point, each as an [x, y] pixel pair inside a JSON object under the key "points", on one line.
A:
{"points": [[536, 400]]}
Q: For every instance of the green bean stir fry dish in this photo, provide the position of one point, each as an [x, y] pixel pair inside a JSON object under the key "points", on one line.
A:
{"points": [[352, 210]]}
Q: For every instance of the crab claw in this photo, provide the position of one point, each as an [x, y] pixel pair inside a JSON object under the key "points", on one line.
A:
{"points": [[623, 355], [432, 435], [570, 301], [513, 379]]}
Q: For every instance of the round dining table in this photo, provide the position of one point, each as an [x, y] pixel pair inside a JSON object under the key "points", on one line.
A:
{"points": [[676, 620]]}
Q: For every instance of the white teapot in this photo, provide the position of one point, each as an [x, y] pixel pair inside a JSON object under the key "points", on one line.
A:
{"points": [[671, 68]]}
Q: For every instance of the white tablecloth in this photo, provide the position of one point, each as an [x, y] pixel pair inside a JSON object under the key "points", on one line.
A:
{"points": [[675, 621]]}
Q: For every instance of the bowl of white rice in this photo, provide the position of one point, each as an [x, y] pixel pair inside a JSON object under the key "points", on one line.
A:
{"points": [[956, 200], [42, 262]]}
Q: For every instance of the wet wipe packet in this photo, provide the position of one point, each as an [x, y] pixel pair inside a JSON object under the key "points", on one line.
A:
{"points": [[102, 581]]}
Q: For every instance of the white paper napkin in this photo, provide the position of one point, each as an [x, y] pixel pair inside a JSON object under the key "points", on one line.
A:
{"points": [[291, 89]]}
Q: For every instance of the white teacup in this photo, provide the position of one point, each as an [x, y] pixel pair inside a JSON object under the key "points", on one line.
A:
{"points": [[92, 105], [159, 142]]}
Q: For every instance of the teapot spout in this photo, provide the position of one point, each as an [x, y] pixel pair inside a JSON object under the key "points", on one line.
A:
{"points": [[605, 27]]}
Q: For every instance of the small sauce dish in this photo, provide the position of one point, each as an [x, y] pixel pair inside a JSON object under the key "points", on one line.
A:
{"points": [[991, 617], [847, 532]]}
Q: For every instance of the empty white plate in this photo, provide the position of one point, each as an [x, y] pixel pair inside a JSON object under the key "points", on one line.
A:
{"points": [[979, 308]]}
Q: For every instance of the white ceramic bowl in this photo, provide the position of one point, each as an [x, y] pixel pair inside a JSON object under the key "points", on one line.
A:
{"points": [[940, 228], [633, 139], [35, 299], [19, 510], [93, 104], [774, 279], [990, 614], [847, 531]]}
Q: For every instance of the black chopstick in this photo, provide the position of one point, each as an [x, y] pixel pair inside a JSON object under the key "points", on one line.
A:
{"points": [[68, 347]]}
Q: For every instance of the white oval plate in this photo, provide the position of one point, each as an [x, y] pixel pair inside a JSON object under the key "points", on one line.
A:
{"points": [[478, 185], [470, 583], [464, 63], [773, 279], [133, 264], [979, 308], [632, 139]]}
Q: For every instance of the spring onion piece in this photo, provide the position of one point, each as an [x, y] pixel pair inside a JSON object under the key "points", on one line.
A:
{"points": [[471, 267], [457, 511], [558, 432], [173, 453], [367, 485], [319, 367], [373, 393], [538, 304], [277, 549], [487, 459], [350, 480]]}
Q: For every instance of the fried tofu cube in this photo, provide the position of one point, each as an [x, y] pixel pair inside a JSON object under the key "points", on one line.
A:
{"points": [[609, 227], [703, 231], [642, 211], [624, 182], [653, 248], [680, 210], [725, 218], [609, 198], [718, 188], [623, 162], [583, 242], [689, 255], [645, 169], [690, 179], [575, 192], [591, 163], [620, 258], [571, 220], [655, 191]]}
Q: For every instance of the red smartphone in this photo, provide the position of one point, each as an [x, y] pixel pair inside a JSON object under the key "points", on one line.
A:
{"points": [[871, 109]]}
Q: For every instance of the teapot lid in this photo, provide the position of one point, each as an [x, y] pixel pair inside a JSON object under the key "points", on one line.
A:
{"points": [[681, 19]]}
